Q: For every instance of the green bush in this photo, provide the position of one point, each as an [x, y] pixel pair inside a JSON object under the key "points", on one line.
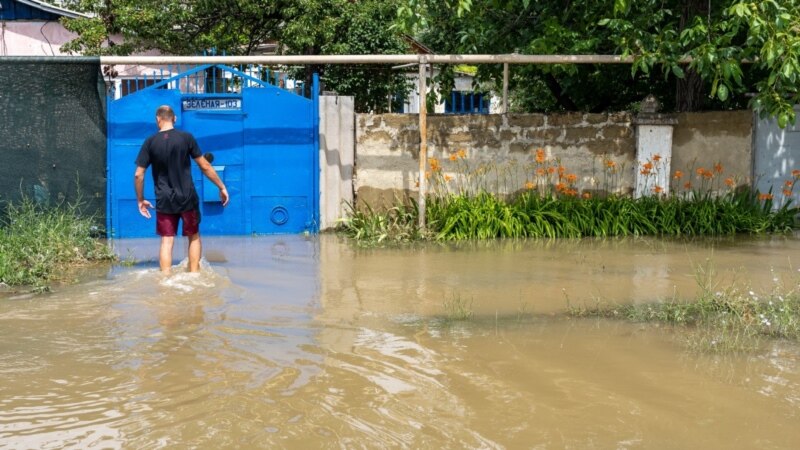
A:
{"points": [[38, 243]]}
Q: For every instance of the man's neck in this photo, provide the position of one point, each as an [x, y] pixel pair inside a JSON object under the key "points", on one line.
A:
{"points": [[166, 127]]}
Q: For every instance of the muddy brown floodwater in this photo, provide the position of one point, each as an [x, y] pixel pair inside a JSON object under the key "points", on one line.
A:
{"points": [[309, 342]]}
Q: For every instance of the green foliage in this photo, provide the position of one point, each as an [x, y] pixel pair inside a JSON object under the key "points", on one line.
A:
{"points": [[396, 224], [735, 48], [721, 43], [486, 216], [175, 26], [238, 27], [341, 27], [38, 243]]}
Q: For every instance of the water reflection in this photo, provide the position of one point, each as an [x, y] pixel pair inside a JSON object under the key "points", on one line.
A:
{"points": [[312, 342]]}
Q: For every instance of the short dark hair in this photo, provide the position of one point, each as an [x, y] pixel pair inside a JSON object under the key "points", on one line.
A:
{"points": [[165, 112]]}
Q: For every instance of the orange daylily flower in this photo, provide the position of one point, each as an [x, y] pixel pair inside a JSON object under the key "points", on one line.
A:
{"points": [[529, 185], [787, 193], [729, 181], [560, 187], [700, 171], [648, 166], [656, 157], [571, 178], [687, 185], [788, 183], [453, 157], [718, 167], [540, 171], [678, 175], [551, 170], [447, 178], [645, 171], [610, 164], [766, 196], [587, 195], [658, 189], [796, 173], [540, 156]]}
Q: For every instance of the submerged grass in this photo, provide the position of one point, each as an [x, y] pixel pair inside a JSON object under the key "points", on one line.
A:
{"points": [[732, 320], [457, 308], [38, 244]]}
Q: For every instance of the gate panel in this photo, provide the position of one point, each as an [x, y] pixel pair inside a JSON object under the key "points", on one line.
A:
{"points": [[130, 121], [265, 147], [280, 157]]}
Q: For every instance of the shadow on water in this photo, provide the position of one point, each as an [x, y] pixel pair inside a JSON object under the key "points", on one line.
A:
{"points": [[309, 341]]}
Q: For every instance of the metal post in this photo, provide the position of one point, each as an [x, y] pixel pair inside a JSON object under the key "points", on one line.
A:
{"points": [[423, 139], [505, 88]]}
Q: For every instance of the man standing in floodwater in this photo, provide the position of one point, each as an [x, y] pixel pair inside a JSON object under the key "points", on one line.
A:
{"points": [[168, 152]]}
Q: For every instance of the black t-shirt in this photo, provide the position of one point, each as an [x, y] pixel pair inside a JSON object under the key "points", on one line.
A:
{"points": [[170, 153]]}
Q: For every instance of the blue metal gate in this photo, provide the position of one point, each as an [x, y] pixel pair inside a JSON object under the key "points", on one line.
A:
{"points": [[264, 140]]}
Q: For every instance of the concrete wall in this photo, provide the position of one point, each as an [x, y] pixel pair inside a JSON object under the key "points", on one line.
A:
{"points": [[704, 139], [336, 157], [777, 155], [387, 149]]}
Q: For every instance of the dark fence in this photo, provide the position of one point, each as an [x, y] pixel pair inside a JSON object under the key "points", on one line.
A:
{"points": [[53, 132]]}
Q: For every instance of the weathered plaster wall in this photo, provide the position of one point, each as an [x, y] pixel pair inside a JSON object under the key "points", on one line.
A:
{"points": [[387, 149], [706, 138]]}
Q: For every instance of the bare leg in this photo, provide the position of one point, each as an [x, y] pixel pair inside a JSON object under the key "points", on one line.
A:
{"points": [[195, 250], [165, 253]]}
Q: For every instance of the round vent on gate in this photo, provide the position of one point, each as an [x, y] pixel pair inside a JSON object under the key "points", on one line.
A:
{"points": [[279, 215]]}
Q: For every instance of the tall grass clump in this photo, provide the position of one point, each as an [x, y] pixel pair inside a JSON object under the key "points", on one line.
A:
{"points": [[464, 203], [731, 320], [38, 243]]}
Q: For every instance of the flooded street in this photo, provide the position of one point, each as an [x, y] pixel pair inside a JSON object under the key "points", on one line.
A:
{"points": [[310, 342]]}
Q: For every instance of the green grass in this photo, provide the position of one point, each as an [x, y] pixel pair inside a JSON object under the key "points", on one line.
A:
{"points": [[731, 320], [39, 244], [457, 308], [486, 216]]}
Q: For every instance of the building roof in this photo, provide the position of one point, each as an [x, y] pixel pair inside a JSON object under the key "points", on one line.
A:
{"points": [[28, 9]]}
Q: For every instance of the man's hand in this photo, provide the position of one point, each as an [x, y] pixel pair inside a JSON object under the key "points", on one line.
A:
{"points": [[223, 196], [143, 205]]}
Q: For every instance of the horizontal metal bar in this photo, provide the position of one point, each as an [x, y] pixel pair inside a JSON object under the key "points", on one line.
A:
{"points": [[50, 59], [371, 59]]}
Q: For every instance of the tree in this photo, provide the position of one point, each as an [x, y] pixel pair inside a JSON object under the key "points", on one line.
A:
{"points": [[344, 27], [733, 48], [238, 27]]}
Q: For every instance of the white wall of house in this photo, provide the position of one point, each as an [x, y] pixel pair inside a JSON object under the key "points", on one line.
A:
{"points": [[462, 82], [33, 38]]}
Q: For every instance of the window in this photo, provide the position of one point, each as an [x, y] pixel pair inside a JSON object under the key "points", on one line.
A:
{"points": [[467, 102]]}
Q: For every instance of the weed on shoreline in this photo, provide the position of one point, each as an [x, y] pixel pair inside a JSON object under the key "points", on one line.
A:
{"points": [[40, 244]]}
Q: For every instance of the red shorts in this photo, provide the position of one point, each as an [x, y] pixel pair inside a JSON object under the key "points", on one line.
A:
{"points": [[167, 224]]}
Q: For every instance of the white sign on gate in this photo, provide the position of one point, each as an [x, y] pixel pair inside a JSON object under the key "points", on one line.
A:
{"points": [[211, 103]]}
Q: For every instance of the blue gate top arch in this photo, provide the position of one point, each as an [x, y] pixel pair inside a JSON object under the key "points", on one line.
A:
{"points": [[264, 140]]}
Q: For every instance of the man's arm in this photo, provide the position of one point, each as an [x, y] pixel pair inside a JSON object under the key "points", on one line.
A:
{"points": [[208, 170], [138, 183]]}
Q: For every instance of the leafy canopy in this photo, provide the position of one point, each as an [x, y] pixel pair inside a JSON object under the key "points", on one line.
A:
{"points": [[735, 47]]}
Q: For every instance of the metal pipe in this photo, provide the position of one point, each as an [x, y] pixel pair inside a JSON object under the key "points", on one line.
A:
{"points": [[423, 140], [505, 88], [372, 59]]}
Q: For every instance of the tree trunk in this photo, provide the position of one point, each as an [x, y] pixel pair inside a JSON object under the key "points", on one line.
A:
{"points": [[690, 90]]}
